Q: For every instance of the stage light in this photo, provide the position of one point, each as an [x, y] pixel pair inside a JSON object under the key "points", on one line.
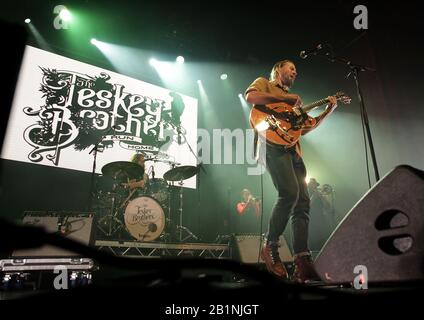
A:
{"points": [[180, 59], [224, 76], [27, 20], [203, 95], [152, 61], [246, 110], [262, 126], [65, 15], [93, 41]]}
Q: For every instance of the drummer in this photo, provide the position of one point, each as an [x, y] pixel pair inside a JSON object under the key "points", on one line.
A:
{"points": [[141, 181]]}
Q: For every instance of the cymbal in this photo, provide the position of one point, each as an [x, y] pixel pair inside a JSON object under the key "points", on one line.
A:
{"points": [[162, 160], [117, 168], [170, 162], [180, 173]]}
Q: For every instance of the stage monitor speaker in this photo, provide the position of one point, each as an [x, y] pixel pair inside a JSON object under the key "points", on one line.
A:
{"points": [[78, 228], [384, 232], [246, 248]]}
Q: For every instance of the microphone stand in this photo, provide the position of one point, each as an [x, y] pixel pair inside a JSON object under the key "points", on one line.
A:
{"points": [[93, 171], [354, 70], [153, 172], [199, 166]]}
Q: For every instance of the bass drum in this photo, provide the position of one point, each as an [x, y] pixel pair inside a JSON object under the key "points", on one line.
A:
{"points": [[144, 218]]}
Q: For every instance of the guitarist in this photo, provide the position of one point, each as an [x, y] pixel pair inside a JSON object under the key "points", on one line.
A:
{"points": [[288, 173]]}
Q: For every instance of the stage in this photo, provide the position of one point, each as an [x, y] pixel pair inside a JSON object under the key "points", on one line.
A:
{"points": [[230, 160]]}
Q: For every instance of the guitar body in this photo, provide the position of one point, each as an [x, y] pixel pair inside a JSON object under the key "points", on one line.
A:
{"points": [[285, 123]]}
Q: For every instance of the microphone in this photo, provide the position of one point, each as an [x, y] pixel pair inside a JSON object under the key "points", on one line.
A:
{"points": [[179, 135], [114, 126], [153, 172], [305, 53]]}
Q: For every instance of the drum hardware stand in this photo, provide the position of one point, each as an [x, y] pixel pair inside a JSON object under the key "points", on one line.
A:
{"points": [[171, 184], [180, 174], [180, 227], [96, 148], [166, 235], [113, 224], [200, 166], [127, 199]]}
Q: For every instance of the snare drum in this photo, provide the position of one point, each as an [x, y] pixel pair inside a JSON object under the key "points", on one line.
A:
{"points": [[158, 189], [144, 218]]}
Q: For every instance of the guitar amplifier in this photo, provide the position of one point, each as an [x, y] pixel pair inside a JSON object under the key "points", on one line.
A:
{"points": [[77, 227], [246, 248]]}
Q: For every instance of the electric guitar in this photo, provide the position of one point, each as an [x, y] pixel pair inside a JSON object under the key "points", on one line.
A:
{"points": [[282, 124]]}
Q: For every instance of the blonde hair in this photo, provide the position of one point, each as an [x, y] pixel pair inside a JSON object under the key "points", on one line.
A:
{"points": [[136, 158], [275, 68]]}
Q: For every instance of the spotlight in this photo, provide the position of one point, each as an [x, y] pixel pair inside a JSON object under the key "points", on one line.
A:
{"points": [[27, 20], [262, 126], [199, 81], [65, 15], [180, 59], [152, 61], [93, 41], [224, 76]]}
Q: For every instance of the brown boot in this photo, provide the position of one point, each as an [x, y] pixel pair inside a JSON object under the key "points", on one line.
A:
{"points": [[304, 270], [271, 257]]}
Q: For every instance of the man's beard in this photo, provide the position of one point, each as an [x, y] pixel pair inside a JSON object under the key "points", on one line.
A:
{"points": [[288, 82]]}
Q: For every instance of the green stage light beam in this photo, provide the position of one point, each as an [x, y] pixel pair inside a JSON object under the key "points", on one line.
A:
{"points": [[39, 38], [65, 15]]}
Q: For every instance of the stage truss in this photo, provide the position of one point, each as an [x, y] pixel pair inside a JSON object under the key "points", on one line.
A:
{"points": [[157, 249]]}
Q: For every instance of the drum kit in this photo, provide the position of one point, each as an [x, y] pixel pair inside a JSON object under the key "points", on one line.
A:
{"points": [[144, 213]]}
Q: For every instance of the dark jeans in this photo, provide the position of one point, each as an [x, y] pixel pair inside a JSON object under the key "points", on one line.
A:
{"points": [[288, 174]]}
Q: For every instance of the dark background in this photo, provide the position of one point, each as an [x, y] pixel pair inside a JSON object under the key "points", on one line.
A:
{"points": [[244, 40]]}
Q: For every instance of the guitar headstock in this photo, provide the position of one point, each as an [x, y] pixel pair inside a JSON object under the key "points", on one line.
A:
{"points": [[341, 96]]}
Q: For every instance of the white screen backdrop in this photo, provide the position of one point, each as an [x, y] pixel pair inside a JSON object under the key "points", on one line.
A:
{"points": [[63, 107]]}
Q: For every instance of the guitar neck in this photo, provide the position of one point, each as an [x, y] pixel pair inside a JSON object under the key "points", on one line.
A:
{"points": [[313, 105]]}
